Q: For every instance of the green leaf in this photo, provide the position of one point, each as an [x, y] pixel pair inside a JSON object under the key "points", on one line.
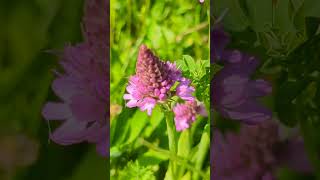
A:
{"points": [[287, 174], [187, 176], [189, 61], [311, 136], [137, 123], [86, 170], [283, 18], [202, 149], [296, 4], [184, 144], [312, 26], [135, 171], [260, 13], [182, 65], [235, 18], [115, 152], [214, 69], [155, 120], [120, 126], [151, 158], [287, 109]]}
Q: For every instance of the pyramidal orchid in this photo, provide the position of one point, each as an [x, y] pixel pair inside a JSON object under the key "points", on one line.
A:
{"points": [[154, 83], [83, 86], [161, 83]]}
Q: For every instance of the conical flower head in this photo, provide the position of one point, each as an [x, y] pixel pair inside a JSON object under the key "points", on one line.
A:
{"points": [[149, 67], [157, 76], [153, 81]]}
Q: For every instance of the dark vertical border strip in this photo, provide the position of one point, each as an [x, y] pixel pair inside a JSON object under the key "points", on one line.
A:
{"points": [[211, 88], [108, 89]]}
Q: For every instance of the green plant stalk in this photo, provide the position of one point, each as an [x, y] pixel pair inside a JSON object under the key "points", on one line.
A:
{"points": [[172, 141], [203, 149], [180, 160], [184, 148]]}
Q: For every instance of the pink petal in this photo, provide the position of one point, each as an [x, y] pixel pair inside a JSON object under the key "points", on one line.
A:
{"points": [[130, 89], [181, 125], [202, 111], [148, 104], [184, 90], [70, 132], [127, 96], [132, 103], [87, 108], [259, 88], [250, 112], [56, 111], [65, 87]]}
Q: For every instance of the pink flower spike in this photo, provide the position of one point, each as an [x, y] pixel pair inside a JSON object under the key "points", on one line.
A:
{"points": [[152, 82]]}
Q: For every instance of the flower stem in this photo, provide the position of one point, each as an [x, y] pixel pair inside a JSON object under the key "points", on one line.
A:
{"points": [[179, 160], [172, 140], [203, 149]]}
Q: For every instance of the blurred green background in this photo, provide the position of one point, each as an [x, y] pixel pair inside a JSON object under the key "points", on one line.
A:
{"points": [[28, 29], [172, 29]]}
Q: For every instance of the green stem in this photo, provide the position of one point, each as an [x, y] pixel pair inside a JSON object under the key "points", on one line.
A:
{"points": [[191, 30], [203, 149], [172, 141], [179, 160]]}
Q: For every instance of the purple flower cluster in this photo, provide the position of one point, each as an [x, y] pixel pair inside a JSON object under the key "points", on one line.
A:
{"points": [[255, 152], [152, 84], [186, 113], [233, 92], [83, 87], [152, 81]]}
